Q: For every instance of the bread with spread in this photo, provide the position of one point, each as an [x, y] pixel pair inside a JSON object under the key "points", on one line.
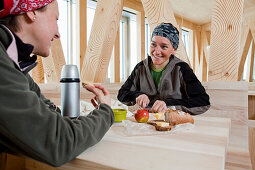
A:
{"points": [[160, 125]]}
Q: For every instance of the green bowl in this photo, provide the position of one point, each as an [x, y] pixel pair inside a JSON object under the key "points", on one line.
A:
{"points": [[119, 114]]}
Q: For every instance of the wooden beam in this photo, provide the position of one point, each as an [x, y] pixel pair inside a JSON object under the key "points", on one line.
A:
{"points": [[252, 62], [158, 11], [252, 26], [101, 40], [132, 4], [117, 58], [204, 68], [83, 30], [197, 54], [53, 64], [225, 40], [140, 21], [245, 49], [38, 73], [206, 27], [205, 44], [185, 23]]}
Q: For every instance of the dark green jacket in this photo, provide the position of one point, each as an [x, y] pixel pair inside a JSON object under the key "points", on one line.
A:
{"points": [[28, 125]]}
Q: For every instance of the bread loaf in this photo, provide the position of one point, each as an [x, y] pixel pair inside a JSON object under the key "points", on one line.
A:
{"points": [[175, 117]]}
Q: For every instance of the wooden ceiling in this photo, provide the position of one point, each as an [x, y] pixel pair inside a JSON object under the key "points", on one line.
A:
{"points": [[199, 11]]}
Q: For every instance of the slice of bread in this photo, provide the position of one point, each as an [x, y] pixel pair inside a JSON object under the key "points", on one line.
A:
{"points": [[84, 84], [160, 125]]}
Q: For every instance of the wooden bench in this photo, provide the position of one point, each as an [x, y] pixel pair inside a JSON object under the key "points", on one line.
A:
{"points": [[229, 99], [251, 121]]}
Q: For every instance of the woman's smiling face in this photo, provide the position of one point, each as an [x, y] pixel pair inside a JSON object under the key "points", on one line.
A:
{"points": [[160, 51]]}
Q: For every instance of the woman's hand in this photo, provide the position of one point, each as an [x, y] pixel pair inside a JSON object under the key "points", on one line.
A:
{"points": [[142, 100], [159, 106], [102, 94]]}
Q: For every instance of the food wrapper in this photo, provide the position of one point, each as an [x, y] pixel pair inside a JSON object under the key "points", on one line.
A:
{"points": [[87, 107], [132, 128]]}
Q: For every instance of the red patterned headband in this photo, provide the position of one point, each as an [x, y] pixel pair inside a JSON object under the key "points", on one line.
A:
{"points": [[15, 7]]}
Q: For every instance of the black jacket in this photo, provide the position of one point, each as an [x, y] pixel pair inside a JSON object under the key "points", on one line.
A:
{"points": [[178, 87]]}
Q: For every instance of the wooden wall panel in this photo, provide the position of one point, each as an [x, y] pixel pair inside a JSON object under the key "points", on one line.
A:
{"points": [[101, 40], [225, 40], [158, 11]]}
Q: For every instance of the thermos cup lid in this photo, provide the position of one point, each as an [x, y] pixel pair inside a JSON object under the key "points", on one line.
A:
{"points": [[70, 71]]}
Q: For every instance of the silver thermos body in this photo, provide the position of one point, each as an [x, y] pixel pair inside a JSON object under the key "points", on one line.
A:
{"points": [[70, 91]]}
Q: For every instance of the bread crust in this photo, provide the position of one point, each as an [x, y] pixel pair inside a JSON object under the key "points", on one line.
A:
{"points": [[175, 117], [159, 128], [84, 84]]}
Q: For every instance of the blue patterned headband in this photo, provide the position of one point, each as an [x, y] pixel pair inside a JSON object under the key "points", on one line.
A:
{"points": [[168, 31]]}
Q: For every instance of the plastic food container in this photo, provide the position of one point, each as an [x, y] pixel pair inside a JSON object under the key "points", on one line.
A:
{"points": [[119, 114]]}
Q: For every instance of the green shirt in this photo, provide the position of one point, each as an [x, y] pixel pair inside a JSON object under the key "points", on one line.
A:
{"points": [[156, 74]]}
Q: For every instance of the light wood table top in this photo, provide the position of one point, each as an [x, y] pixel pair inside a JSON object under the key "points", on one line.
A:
{"points": [[202, 147]]}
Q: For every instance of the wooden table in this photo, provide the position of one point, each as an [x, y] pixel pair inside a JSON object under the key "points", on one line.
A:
{"points": [[203, 147]]}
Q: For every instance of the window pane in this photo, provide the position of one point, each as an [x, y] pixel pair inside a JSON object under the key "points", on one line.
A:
{"points": [[91, 8]]}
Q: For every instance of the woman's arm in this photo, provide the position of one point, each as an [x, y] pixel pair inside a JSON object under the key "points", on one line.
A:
{"points": [[129, 91], [196, 99]]}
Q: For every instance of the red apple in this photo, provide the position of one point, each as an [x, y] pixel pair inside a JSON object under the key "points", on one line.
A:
{"points": [[142, 116]]}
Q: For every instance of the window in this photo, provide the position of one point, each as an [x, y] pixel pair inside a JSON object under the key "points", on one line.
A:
{"points": [[68, 28], [147, 37], [185, 39], [91, 9]]}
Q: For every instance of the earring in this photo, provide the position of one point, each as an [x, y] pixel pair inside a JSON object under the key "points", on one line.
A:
{"points": [[34, 18]]}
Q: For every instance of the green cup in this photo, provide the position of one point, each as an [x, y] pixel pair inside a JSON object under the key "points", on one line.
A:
{"points": [[119, 114]]}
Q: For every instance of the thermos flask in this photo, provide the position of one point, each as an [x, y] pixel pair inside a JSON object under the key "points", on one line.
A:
{"points": [[70, 91]]}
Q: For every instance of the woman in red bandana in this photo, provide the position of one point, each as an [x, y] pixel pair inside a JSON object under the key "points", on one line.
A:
{"points": [[30, 124]]}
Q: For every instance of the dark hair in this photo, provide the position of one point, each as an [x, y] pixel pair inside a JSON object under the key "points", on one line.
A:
{"points": [[11, 21], [1, 5]]}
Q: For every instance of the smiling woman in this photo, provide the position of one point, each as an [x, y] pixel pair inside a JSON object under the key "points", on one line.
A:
{"points": [[30, 124], [163, 80]]}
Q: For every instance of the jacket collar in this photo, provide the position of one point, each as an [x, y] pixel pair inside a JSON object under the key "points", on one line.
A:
{"points": [[17, 50], [24, 52]]}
